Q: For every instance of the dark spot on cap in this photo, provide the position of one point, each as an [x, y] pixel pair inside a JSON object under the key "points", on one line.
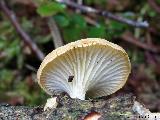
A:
{"points": [[70, 79]]}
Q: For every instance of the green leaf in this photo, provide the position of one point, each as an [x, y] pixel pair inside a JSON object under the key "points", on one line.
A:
{"points": [[78, 21], [117, 25], [50, 8], [76, 28], [71, 34], [97, 32], [97, 2], [14, 48], [62, 20], [158, 1], [3, 43], [26, 24], [6, 75], [116, 28]]}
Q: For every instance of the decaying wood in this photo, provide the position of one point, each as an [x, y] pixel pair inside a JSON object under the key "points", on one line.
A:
{"points": [[117, 108]]}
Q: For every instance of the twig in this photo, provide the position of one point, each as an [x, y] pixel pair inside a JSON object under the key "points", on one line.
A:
{"points": [[154, 5], [106, 14], [25, 37], [57, 39], [80, 2], [127, 36], [91, 21]]}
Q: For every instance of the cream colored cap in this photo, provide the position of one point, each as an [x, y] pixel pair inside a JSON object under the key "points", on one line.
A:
{"points": [[90, 67]]}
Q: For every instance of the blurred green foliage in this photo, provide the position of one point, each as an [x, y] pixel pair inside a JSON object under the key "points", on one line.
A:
{"points": [[50, 8], [74, 26], [9, 43]]}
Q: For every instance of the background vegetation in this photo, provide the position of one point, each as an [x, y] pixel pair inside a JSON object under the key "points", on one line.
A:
{"points": [[40, 23]]}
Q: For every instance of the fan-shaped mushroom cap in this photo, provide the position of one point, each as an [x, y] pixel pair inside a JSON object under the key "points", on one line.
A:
{"points": [[94, 67]]}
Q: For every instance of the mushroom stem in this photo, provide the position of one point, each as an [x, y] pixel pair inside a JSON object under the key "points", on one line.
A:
{"points": [[78, 93]]}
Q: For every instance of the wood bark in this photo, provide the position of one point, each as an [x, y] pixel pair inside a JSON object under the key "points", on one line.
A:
{"points": [[116, 108]]}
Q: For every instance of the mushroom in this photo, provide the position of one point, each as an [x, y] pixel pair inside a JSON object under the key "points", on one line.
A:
{"points": [[91, 67]]}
